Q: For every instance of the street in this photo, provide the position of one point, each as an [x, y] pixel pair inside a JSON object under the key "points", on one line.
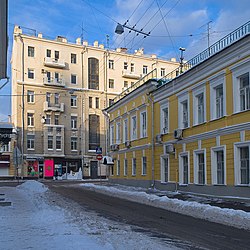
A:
{"points": [[156, 222]]}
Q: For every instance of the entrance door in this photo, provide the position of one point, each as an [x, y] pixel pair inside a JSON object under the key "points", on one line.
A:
{"points": [[93, 169]]}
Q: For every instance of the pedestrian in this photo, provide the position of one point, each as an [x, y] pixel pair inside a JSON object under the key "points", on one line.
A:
{"points": [[56, 174]]}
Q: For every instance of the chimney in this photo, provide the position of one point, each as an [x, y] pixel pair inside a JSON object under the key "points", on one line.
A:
{"points": [[154, 56], [17, 30], [40, 35], [173, 59], [101, 46], [61, 39], [85, 43], [95, 43]]}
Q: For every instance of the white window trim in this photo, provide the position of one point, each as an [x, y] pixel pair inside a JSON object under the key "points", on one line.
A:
{"points": [[162, 167], [213, 164], [131, 126], [111, 134], [163, 130], [195, 153], [33, 96], [238, 145], [196, 92], [118, 172], [118, 133], [181, 176], [125, 160], [141, 123], [142, 172], [181, 99], [133, 172], [34, 74], [124, 133], [237, 72], [214, 83]]}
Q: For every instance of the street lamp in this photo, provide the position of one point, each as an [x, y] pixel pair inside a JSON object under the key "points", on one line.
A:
{"points": [[181, 59], [120, 29]]}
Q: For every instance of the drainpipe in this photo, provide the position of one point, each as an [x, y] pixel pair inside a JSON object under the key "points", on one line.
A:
{"points": [[152, 141]]}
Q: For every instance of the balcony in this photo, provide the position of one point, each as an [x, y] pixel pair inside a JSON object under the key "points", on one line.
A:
{"points": [[54, 63], [54, 81], [53, 107], [129, 74]]}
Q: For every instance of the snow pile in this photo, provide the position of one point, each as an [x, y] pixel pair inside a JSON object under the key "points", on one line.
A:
{"points": [[72, 176], [33, 186], [226, 216]]}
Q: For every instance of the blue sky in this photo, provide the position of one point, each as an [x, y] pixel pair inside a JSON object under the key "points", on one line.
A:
{"points": [[184, 24]]}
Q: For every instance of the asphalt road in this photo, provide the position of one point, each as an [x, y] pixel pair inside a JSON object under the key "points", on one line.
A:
{"points": [[157, 222]]}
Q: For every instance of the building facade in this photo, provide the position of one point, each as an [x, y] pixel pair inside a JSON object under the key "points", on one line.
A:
{"points": [[193, 132], [59, 90]]}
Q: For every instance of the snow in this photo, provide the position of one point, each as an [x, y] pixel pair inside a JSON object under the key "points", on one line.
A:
{"points": [[226, 216], [41, 219]]}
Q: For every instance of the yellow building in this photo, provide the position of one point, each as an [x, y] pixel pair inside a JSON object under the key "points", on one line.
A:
{"points": [[59, 89], [199, 140]]}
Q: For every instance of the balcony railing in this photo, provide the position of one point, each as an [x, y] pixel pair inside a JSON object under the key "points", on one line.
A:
{"points": [[213, 49], [53, 107], [150, 75], [129, 74], [54, 62], [54, 81]]}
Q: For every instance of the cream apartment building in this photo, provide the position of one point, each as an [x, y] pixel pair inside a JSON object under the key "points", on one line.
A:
{"points": [[59, 91]]}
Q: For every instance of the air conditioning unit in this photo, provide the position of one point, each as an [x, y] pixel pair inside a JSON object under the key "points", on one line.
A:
{"points": [[169, 148], [127, 144], [158, 138], [178, 133]]}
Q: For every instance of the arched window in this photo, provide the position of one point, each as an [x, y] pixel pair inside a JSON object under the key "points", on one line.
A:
{"points": [[93, 70], [94, 132]]}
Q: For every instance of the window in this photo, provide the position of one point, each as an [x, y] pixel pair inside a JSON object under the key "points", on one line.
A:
{"points": [[242, 163], [57, 77], [199, 106], [111, 83], [94, 131], [48, 53], [199, 167], [93, 72], [133, 128], [58, 142], [143, 124], [58, 130], [183, 111], [184, 168], [111, 64], [118, 167], [30, 96], [133, 166], [74, 122], [90, 102], [218, 165], [48, 97], [125, 130], [144, 69], [73, 58], [73, 100], [125, 84], [164, 119], [112, 132], [30, 141], [73, 79], [118, 132], [125, 65], [31, 51], [48, 119], [132, 67], [49, 78], [219, 101], [73, 143], [56, 54], [144, 165], [125, 167], [56, 99], [163, 72], [244, 92], [31, 74], [30, 120], [56, 119], [111, 101], [164, 169], [50, 142], [97, 102]]}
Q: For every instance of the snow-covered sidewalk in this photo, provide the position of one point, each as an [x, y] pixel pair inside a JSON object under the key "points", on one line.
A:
{"points": [[226, 216], [41, 219]]}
